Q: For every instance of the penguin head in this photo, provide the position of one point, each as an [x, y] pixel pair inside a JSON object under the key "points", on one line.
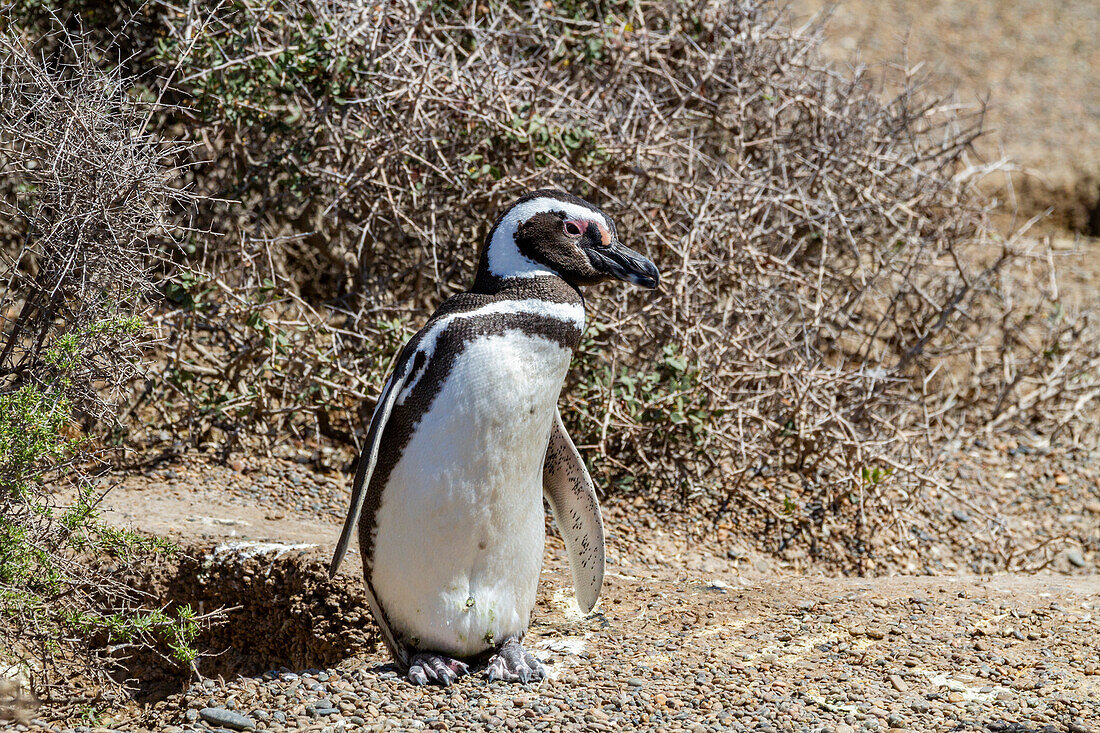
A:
{"points": [[550, 232]]}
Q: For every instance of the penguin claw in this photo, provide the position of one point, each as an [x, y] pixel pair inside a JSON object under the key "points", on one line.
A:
{"points": [[417, 675], [425, 668], [513, 663]]}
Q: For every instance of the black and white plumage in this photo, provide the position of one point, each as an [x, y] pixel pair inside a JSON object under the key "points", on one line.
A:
{"points": [[466, 440]]}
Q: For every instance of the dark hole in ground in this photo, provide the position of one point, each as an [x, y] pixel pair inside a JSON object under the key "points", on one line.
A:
{"points": [[1074, 205], [282, 611], [1093, 228]]}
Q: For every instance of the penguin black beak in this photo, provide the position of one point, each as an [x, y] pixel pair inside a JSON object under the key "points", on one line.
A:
{"points": [[623, 263]]}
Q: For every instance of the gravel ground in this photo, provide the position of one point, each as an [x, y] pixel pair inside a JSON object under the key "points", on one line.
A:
{"points": [[687, 642], [698, 629], [281, 485]]}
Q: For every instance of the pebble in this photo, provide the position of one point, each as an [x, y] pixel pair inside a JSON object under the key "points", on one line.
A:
{"points": [[1076, 559], [227, 718]]}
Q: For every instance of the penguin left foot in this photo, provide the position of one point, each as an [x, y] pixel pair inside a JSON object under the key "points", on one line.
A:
{"points": [[513, 663], [427, 667]]}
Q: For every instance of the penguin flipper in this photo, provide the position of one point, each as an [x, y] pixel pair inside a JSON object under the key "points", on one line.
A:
{"points": [[572, 497], [367, 460]]}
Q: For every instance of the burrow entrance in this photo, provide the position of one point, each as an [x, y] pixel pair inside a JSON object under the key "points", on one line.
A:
{"points": [[1074, 205], [281, 611]]}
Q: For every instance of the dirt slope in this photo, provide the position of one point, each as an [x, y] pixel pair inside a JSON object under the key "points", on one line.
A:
{"points": [[1034, 61]]}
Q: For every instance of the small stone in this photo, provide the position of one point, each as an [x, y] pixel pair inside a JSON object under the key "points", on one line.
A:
{"points": [[955, 697], [960, 516], [227, 718], [635, 682], [898, 683], [1076, 559], [192, 715]]}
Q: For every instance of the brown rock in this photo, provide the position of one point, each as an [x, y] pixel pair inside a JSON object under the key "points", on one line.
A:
{"points": [[898, 683]]}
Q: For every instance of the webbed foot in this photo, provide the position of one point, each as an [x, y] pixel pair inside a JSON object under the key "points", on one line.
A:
{"points": [[513, 663], [426, 667]]}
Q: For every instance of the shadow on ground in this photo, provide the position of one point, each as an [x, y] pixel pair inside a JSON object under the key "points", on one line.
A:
{"points": [[280, 610]]}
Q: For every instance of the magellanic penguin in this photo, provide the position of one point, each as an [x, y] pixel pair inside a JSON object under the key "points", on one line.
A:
{"points": [[466, 440]]}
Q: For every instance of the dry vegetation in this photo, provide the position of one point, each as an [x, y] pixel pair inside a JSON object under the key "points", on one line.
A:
{"points": [[836, 301], [836, 310], [88, 198]]}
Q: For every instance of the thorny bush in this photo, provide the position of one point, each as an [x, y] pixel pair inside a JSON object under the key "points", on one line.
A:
{"points": [[85, 196], [836, 305]]}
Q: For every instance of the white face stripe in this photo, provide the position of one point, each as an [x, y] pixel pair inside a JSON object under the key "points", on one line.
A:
{"points": [[505, 259], [567, 312]]}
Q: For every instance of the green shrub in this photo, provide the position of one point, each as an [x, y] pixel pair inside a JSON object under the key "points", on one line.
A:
{"points": [[89, 196]]}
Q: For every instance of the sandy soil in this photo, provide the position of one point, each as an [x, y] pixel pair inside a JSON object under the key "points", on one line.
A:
{"points": [[1034, 61]]}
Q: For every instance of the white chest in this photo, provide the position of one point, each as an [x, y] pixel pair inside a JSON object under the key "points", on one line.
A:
{"points": [[459, 530]]}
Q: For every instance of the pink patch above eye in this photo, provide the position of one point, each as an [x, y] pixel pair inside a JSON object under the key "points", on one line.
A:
{"points": [[575, 227]]}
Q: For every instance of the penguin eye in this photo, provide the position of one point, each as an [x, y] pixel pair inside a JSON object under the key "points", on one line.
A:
{"points": [[573, 228]]}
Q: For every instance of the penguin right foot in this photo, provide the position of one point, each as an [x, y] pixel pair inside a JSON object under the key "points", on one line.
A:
{"points": [[426, 667]]}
